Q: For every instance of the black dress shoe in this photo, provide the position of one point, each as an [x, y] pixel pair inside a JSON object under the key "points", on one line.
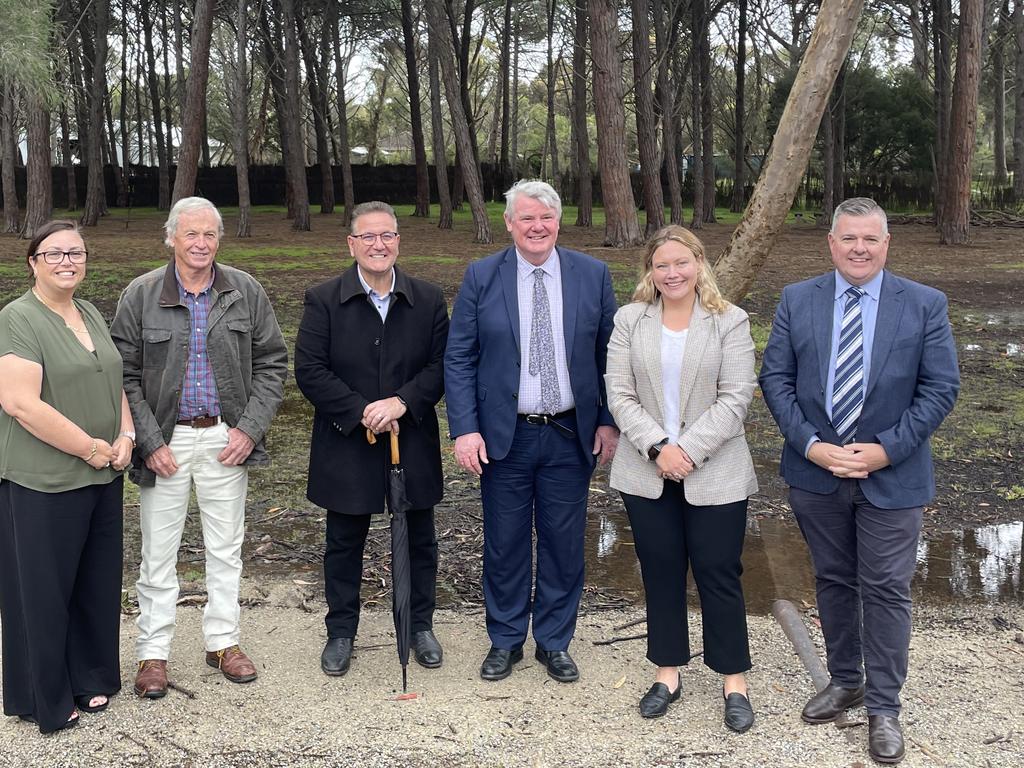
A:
{"points": [[885, 739], [559, 664], [739, 715], [498, 663], [426, 649], [337, 656], [655, 702], [830, 702]]}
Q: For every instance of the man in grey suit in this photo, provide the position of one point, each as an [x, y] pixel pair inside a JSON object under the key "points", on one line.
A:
{"points": [[859, 371]]}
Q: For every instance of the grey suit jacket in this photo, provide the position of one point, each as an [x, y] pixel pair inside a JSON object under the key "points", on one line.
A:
{"points": [[715, 390]]}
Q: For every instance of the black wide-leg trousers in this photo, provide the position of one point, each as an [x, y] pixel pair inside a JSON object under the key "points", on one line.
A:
{"points": [[671, 535], [61, 560]]}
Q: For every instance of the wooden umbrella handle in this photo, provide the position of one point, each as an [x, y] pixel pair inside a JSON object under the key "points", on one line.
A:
{"points": [[370, 437], [395, 456]]}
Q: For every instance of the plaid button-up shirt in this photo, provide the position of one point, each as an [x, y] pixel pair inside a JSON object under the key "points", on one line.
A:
{"points": [[199, 388]]}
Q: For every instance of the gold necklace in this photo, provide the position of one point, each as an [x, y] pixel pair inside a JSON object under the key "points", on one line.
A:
{"points": [[53, 309]]}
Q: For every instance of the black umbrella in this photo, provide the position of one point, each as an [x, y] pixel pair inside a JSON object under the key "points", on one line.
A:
{"points": [[401, 585]]}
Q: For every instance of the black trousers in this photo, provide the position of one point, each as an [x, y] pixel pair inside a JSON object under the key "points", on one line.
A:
{"points": [[60, 597], [343, 570], [671, 535]]}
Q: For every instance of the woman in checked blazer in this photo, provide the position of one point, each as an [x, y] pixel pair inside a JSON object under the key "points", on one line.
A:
{"points": [[679, 379]]}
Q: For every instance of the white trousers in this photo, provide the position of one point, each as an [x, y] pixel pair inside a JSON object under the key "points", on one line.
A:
{"points": [[221, 492]]}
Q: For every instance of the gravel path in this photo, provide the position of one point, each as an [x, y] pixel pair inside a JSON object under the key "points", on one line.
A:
{"points": [[963, 703]]}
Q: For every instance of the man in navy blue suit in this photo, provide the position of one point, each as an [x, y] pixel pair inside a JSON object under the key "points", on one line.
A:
{"points": [[524, 383], [859, 371]]}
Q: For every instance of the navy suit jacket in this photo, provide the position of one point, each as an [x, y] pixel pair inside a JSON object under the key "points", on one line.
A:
{"points": [[482, 361], [914, 380]]}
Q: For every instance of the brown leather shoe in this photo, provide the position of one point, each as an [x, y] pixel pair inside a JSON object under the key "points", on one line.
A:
{"points": [[830, 702], [235, 665], [885, 739], [151, 679]]}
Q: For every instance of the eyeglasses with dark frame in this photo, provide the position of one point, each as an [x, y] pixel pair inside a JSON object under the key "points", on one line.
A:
{"points": [[75, 256], [369, 238]]}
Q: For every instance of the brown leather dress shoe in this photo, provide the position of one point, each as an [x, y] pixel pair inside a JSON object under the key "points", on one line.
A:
{"points": [[830, 702], [885, 739], [234, 664], [151, 679]]}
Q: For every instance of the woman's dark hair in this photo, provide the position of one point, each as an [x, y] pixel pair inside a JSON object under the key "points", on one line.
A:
{"points": [[49, 228]]}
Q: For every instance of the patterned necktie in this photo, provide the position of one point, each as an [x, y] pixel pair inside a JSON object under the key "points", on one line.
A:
{"points": [[542, 346], [848, 391]]}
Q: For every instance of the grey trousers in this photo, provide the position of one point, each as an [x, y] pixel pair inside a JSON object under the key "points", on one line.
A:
{"points": [[864, 560]]}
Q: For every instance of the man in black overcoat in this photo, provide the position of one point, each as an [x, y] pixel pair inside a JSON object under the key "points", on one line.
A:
{"points": [[370, 355]]}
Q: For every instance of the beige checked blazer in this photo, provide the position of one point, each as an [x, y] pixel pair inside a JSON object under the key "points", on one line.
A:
{"points": [[717, 384]]}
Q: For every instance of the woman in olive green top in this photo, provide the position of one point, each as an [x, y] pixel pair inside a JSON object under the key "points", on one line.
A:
{"points": [[65, 435]]}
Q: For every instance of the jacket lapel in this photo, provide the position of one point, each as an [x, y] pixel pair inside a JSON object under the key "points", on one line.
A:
{"points": [[822, 317], [887, 321], [509, 280], [648, 337], [570, 302], [701, 327]]}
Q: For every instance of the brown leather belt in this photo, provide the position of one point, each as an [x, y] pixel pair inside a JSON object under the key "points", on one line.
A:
{"points": [[200, 422]]}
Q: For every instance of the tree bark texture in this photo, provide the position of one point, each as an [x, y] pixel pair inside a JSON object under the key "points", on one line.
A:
{"points": [[317, 87], [739, 141], [999, 95], [240, 118], [444, 195], [503, 74], [646, 119], [666, 24], [39, 192], [622, 228], [12, 212], [552, 140], [580, 134], [195, 102], [1018, 113], [347, 190], [942, 31], [422, 207], [707, 121], [755, 236], [95, 195], [296, 168], [164, 174]]}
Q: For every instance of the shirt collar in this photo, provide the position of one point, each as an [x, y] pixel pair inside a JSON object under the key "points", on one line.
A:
{"points": [[872, 287], [550, 265], [181, 286], [368, 289]]}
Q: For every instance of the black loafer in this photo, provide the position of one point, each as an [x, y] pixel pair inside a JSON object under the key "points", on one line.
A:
{"points": [[426, 649], [885, 739], [655, 702], [336, 656], [498, 663], [739, 715], [559, 664], [830, 702]]}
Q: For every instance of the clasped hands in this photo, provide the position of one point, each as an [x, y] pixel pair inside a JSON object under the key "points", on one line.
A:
{"points": [[383, 415], [854, 460], [673, 463], [116, 454]]}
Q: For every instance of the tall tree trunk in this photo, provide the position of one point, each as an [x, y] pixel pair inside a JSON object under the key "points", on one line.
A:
{"points": [[999, 95], [271, 44], [126, 148], [503, 75], [942, 30], [739, 140], [111, 148], [195, 102], [419, 148], [376, 109], [919, 38], [39, 192], [444, 196], [240, 114], [955, 224], [839, 137], [12, 213], [581, 138], [646, 132], [181, 95], [1018, 111], [316, 85], [551, 140], [163, 161], [296, 169], [697, 114], [460, 125], [345, 155], [828, 166], [665, 26], [95, 195], [707, 122], [514, 138], [754, 238], [622, 228], [67, 159]]}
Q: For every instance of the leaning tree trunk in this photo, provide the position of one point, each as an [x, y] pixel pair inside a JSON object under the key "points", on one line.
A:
{"points": [[622, 228], [470, 170], [240, 113], [12, 213], [584, 176], [444, 195], [95, 193], [415, 115], [39, 193], [646, 133], [195, 103], [755, 236], [955, 223]]}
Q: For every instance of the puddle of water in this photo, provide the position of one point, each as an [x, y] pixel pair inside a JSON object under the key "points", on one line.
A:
{"points": [[975, 565], [1013, 350]]}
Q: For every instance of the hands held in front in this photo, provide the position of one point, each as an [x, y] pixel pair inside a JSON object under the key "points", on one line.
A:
{"points": [[383, 415], [855, 460], [673, 463], [122, 452], [237, 450], [103, 457], [606, 440], [471, 453]]}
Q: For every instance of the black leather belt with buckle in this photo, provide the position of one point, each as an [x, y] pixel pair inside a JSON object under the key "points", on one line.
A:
{"points": [[200, 422], [552, 420]]}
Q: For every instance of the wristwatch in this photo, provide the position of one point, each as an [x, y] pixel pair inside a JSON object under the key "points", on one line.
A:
{"points": [[655, 450], [130, 435]]}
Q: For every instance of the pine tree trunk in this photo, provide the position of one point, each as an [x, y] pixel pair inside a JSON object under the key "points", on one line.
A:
{"points": [[316, 85], [195, 102], [39, 192], [739, 141], [444, 196], [503, 75], [666, 24], [999, 95], [296, 168], [12, 213], [164, 183], [345, 156], [1018, 112], [551, 142], [95, 195], [415, 116], [581, 138], [646, 133], [240, 116]]}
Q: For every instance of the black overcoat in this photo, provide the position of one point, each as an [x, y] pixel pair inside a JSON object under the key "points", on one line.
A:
{"points": [[345, 358]]}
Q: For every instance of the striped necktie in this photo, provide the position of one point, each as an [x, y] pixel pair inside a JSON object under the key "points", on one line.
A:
{"points": [[848, 391]]}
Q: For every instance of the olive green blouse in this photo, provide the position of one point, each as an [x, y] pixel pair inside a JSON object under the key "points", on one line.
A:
{"points": [[82, 385]]}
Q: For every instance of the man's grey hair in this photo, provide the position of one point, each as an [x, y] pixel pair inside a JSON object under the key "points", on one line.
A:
{"points": [[373, 206], [860, 206], [189, 205], [539, 190]]}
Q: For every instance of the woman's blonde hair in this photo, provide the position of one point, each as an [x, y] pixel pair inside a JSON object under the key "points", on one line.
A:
{"points": [[707, 289]]}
